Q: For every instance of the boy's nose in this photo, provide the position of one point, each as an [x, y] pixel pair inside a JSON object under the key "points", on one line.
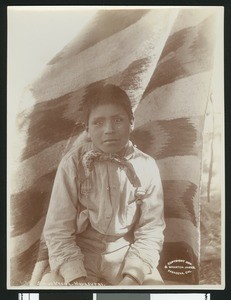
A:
{"points": [[109, 127]]}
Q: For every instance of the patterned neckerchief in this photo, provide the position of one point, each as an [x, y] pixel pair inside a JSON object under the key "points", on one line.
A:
{"points": [[91, 157]]}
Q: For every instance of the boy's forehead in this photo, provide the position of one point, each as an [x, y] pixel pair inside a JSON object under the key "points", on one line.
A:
{"points": [[107, 109]]}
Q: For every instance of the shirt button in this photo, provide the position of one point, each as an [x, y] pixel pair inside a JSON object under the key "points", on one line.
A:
{"points": [[108, 188]]}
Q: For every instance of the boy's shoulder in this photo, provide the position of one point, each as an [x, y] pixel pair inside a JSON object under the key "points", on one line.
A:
{"points": [[145, 165], [143, 156], [144, 161]]}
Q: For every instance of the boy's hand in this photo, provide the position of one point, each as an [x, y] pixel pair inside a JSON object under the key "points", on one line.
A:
{"points": [[78, 281], [128, 280]]}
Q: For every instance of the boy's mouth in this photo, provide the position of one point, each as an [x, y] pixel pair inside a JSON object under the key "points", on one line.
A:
{"points": [[108, 141]]}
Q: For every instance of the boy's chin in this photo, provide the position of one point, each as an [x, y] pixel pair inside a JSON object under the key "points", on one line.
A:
{"points": [[111, 148]]}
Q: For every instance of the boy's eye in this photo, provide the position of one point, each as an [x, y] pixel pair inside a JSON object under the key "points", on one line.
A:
{"points": [[98, 123], [118, 120]]}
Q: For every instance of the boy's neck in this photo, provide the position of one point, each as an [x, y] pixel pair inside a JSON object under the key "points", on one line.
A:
{"points": [[121, 153]]}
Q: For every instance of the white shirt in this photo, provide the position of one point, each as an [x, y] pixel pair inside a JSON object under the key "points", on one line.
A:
{"points": [[109, 201]]}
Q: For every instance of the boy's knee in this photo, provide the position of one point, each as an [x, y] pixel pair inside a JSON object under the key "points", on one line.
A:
{"points": [[51, 278], [153, 279]]}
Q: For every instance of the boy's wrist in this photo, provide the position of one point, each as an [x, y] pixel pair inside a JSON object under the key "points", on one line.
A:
{"points": [[72, 270], [129, 278]]}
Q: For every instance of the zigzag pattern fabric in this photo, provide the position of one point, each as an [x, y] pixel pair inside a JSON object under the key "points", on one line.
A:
{"points": [[163, 59]]}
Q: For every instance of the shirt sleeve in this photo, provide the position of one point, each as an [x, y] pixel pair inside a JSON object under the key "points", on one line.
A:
{"points": [[143, 255], [60, 226]]}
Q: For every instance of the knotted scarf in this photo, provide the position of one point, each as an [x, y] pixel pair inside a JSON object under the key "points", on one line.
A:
{"points": [[93, 156]]}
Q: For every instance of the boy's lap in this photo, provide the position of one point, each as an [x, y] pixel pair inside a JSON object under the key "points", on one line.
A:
{"points": [[102, 269]]}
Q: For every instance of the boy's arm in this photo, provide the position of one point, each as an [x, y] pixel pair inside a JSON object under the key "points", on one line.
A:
{"points": [[60, 226], [143, 255]]}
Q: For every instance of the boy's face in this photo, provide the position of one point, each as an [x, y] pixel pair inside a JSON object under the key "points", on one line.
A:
{"points": [[109, 127]]}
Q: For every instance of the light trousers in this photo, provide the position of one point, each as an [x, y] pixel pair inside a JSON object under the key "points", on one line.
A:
{"points": [[103, 260]]}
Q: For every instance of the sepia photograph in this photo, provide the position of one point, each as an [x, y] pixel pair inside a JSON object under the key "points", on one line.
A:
{"points": [[115, 146]]}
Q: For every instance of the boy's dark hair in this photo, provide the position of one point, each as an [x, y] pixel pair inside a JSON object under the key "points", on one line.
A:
{"points": [[99, 93]]}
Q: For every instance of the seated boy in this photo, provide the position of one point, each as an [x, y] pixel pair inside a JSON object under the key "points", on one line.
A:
{"points": [[105, 219]]}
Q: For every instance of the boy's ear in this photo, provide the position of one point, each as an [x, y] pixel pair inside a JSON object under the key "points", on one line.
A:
{"points": [[131, 125], [87, 133]]}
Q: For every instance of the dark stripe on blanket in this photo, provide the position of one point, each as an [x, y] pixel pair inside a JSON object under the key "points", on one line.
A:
{"points": [[130, 76], [101, 27], [175, 137], [178, 200], [170, 256], [171, 133], [51, 122], [28, 207], [186, 53]]}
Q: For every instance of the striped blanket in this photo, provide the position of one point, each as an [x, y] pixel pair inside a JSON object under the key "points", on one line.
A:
{"points": [[163, 59]]}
